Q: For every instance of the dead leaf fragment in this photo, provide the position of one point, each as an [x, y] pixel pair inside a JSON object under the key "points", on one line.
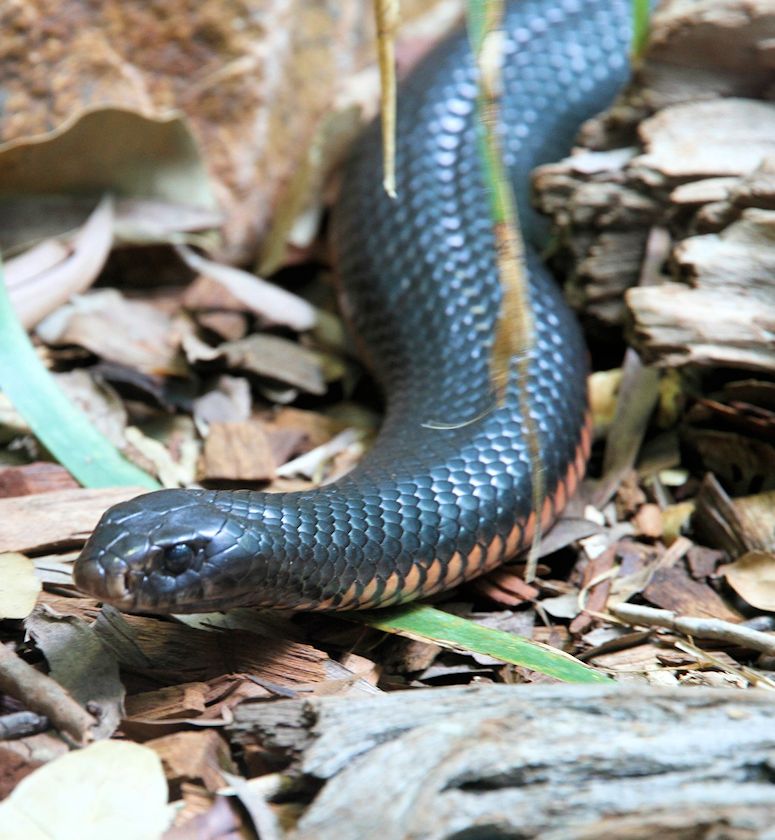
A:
{"points": [[752, 576], [277, 358], [130, 332], [38, 288], [19, 585], [238, 452], [272, 302], [110, 789]]}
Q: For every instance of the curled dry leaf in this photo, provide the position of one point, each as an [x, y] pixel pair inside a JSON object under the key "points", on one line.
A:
{"points": [[148, 158], [110, 789], [38, 284], [19, 585], [272, 302], [752, 576], [254, 82]]}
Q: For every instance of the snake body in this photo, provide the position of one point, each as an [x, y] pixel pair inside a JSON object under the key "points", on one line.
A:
{"points": [[445, 494]]}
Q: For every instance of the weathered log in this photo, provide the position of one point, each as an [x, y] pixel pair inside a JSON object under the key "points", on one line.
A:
{"points": [[553, 761]]}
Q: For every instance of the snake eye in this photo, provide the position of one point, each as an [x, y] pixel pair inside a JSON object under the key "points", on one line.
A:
{"points": [[178, 558]]}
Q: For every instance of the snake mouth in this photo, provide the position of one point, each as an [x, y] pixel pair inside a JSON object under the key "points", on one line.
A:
{"points": [[112, 586]]}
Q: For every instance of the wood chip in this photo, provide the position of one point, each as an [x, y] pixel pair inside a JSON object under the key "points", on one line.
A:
{"points": [[198, 757], [38, 477], [673, 589], [278, 359], [60, 519], [238, 452]]}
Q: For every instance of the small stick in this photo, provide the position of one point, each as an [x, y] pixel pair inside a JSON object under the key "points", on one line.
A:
{"points": [[45, 696], [21, 724], [700, 628]]}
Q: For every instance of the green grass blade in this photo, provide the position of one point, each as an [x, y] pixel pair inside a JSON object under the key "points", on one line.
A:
{"points": [[641, 13], [61, 427], [431, 625]]}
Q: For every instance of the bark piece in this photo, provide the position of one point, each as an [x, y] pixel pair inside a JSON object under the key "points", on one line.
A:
{"points": [[497, 760], [61, 519], [673, 589], [704, 139], [38, 477], [199, 757], [238, 452]]}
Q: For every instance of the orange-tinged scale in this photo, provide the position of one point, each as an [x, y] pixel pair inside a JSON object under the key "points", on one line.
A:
{"points": [[412, 580], [393, 583], [434, 576], [494, 553], [560, 495], [457, 565], [370, 591]]}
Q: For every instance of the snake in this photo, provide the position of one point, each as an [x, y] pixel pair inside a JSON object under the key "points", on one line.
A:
{"points": [[445, 493]]}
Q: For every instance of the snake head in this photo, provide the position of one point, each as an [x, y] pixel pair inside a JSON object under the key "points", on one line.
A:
{"points": [[167, 551]]}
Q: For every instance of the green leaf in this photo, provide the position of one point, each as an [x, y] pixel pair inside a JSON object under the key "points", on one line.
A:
{"points": [[61, 427], [431, 625]]}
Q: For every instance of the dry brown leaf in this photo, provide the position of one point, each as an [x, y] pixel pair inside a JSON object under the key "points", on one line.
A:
{"points": [[130, 332], [272, 302], [752, 576], [39, 286], [110, 789], [253, 86], [279, 359]]}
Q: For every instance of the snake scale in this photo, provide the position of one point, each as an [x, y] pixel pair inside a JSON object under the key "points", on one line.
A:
{"points": [[445, 493]]}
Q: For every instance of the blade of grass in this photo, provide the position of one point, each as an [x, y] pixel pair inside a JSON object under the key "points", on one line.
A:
{"points": [[61, 427], [428, 624], [641, 13], [387, 14], [515, 330]]}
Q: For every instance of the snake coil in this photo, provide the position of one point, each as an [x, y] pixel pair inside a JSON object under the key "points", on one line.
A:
{"points": [[445, 493]]}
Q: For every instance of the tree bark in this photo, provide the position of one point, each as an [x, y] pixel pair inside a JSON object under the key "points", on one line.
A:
{"points": [[553, 762]]}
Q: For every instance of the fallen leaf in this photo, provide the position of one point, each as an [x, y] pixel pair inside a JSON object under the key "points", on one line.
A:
{"points": [[133, 333], [19, 585], [80, 663], [110, 789], [37, 288], [272, 302], [752, 576]]}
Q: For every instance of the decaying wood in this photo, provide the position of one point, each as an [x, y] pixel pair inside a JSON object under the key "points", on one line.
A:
{"points": [[688, 147], [528, 761]]}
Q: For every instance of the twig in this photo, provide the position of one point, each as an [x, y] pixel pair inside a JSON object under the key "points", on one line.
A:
{"points": [[705, 658], [21, 724], [45, 696], [700, 628]]}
